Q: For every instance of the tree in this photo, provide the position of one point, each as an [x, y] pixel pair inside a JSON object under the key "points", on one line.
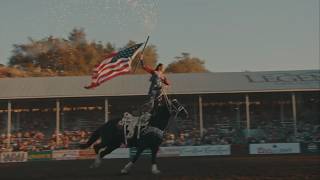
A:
{"points": [[109, 48], [186, 64], [12, 72], [57, 56], [77, 36], [52, 56]]}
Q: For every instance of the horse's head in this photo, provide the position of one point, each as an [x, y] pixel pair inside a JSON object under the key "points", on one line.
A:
{"points": [[165, 111], [177, 109]]}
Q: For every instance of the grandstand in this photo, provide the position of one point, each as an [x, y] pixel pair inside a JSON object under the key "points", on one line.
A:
{"points": [[49, 113]]}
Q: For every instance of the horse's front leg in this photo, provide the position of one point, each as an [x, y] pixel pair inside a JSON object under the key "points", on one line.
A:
{"points": [[154, 167], [128, 166]]}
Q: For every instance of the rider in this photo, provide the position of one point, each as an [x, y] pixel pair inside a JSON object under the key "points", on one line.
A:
{"points": [[157, 80]]}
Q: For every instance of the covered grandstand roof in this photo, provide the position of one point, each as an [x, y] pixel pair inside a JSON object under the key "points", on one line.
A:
{"points": [[184, 83]]}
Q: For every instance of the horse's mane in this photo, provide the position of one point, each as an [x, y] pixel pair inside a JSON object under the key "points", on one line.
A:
{"points": [[161, 117]]}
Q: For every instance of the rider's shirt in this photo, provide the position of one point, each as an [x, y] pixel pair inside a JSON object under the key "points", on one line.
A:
{"points": [[157, 78]]}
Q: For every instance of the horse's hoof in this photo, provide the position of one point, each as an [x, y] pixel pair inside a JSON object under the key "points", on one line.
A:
{"points": [[124, 172], [127, 168], [93, 166], [156, 172], [155, 169], [96, 164]]}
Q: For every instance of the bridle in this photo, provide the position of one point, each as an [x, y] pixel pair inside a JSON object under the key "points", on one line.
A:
{"points": [[174, 106]]}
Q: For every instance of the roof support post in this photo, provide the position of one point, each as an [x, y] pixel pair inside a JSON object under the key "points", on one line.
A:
{"points": [[294, 113], [9, 120], [57, 121], [106, 110], [248, 114], [200, 116]]}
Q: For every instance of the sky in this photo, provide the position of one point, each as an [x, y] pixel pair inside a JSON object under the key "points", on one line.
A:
{"points": [[229, 35]]}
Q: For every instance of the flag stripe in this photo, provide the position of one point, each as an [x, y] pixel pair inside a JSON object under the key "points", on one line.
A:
{"points": [[103, 63], [107, 70], [110, 77], [113, 65], [110, 67], [106, 60], [126, 66], [125, 69]]}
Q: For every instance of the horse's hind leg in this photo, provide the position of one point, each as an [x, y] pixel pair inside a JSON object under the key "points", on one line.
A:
{"points": [[98, 148], [128, 166], [101, 152], [154, 167], [108, 150]]}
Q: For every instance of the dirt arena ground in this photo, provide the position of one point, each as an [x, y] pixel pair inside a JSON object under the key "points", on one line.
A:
{"points": [[204, 168]]}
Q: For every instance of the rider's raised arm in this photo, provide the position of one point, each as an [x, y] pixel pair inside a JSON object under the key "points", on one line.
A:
{"points": [[147, 68]]}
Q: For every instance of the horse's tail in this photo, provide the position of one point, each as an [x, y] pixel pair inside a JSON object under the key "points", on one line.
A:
{"points": [[98, 133]]}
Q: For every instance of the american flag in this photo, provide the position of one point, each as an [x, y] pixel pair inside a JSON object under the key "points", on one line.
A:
{"points": [[115, 64]]}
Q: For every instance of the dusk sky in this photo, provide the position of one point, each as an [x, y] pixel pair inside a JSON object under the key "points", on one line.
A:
{"points": [[230, 35]]}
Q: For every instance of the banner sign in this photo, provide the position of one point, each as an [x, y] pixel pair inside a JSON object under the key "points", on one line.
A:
{"points": [[274, 148], [87, 154], [13, 157], [65, 154], [176, 151], [118, 153], [146, 152], [173, 151], [310, 148], [215, 150], [40, 156]]}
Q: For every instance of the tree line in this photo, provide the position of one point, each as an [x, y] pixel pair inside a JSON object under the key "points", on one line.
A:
{"points": [[75, 56]]}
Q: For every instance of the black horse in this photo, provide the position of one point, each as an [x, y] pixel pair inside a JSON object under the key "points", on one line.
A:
{"points": [[112, 135]]}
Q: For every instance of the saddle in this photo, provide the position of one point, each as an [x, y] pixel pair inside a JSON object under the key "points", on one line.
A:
{"points": [[131, 123]]}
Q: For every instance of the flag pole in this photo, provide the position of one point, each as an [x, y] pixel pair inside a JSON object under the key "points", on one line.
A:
{"points": [[145, 44], [142, 52]]}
